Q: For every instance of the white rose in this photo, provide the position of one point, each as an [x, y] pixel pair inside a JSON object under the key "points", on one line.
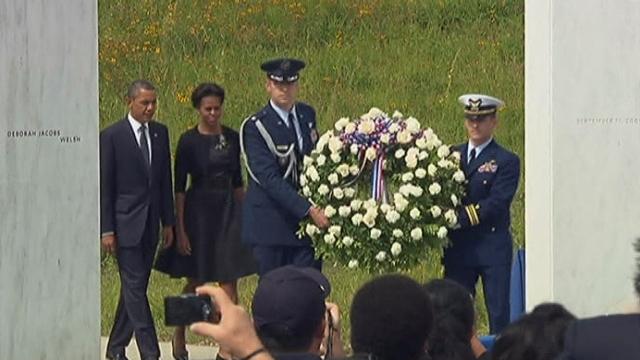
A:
{"points": [[334, 230], [458, 176], [451, 217], [335, 157], [312, 173], [369, 219], [355, 204], [442, 232], [411, 162], [356, 219], [341, 123], [353, 264], [443, 151], [406, 177], [371, 154], [354, 149], [308, 160], [392, 216], [323, 189], [399, 153], [446, 164], [333, 178], [366, 126], [375, 112], [306, 191], [338, 193], [413, 152], [354, 169], [423, 155], [397, 233], [329, 211], [335, 144], [421, 143], [432, 170], [385, 138], [454, 200], [432, 143], [421, 173], [404, 136], [405, 190], [400, 202], [416, 233], [311, 229], [394, 128], [381, 256], [303, 180], [416, 191], [370, 204], [322, 142], [329, 239], [347, 241], [435, 211], [321, 159], [343, 170], [384, 208], [413, 125], [415, 213], [456, 155], [375, 233], [397, 115], [396, 249], [344, 211], [349, 192], [434, 189], [350, 128]]}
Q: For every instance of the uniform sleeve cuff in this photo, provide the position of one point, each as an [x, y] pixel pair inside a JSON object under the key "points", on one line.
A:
{"points": [[108, 233]]}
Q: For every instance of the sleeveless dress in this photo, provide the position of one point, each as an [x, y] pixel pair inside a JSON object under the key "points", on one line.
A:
{"points": [[212, 216]]}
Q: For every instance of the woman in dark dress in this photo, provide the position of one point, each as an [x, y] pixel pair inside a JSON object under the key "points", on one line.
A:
{"points": [[208, 248]]}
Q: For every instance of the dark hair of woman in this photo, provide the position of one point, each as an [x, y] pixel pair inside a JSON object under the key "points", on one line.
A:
{"points": [[454, 318], [206, 89]]}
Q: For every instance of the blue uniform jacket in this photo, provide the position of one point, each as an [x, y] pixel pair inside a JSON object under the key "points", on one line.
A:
{"points": [[484, 237], [273, 209]]}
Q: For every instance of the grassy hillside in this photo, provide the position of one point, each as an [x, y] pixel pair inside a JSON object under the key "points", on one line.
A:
{"points": [[413, 56]]}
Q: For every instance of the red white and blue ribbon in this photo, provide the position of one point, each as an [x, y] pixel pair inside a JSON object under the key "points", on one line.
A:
{"points": [[377, 180]]}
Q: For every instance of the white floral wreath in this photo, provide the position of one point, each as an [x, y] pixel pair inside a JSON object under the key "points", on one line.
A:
{"points": [[389, 188]]}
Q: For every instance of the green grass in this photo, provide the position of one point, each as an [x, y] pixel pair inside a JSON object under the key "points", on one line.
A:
{"points": [[414, 56]]}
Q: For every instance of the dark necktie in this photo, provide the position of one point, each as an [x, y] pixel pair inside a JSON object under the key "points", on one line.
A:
{"points": [[144, 145], [472, 155], [292, 127]]}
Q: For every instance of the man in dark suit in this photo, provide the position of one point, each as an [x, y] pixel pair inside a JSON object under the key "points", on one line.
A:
{"points": [[613, 337], [274, 141], [135, 195], [482, 246]]}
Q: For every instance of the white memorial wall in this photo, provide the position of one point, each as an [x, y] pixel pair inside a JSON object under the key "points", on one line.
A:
{"points": [[582, 147], [49, 192]]}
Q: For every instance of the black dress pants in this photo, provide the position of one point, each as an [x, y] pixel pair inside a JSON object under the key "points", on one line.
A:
{"points": [[133, 314]]}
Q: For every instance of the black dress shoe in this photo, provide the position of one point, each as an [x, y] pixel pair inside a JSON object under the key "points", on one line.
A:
{"points": [[116, 357]]}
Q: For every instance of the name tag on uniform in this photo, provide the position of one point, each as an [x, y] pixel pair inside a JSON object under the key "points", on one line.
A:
{"points": [[282, 147]]}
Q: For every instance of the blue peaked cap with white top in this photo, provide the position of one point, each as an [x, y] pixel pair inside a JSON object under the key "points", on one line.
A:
{"points": [[478, 105]]}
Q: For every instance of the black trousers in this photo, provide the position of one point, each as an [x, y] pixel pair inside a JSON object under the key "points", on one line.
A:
{"points": [[273, 257], [133, 314]]}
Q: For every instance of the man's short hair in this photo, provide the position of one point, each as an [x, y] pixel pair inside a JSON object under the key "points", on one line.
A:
{"points": [[289, 307], [391, 318], [137, 85]]}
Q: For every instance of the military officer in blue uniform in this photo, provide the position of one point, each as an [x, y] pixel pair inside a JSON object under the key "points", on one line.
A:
{"points": [[274, 142], [482, 246]]}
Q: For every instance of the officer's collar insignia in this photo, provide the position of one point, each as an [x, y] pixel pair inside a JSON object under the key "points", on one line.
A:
{"points": [[489, 166], [474, 105]]}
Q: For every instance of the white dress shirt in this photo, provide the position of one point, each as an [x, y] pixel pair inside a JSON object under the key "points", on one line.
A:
{"points": [[478, 148], [284, 115], [136, 125]]}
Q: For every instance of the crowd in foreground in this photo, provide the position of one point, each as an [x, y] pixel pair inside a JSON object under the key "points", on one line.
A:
{"points": [[395, 318]]}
